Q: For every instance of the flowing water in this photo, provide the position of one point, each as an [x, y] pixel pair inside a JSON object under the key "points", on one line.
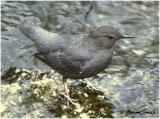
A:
{"points": [[129, 87]]}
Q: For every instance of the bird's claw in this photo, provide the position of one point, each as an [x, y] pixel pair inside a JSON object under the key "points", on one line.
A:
{"points": [[72, 101]]}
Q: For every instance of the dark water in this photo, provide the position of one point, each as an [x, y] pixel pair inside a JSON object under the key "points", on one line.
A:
{"points": [[129, 86]]}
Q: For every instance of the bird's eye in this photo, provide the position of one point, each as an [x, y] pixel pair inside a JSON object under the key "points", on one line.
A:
{"points": [[110, 37]]}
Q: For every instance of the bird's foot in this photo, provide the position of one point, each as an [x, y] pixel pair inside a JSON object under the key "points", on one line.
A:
{"points": [[70, 100]]}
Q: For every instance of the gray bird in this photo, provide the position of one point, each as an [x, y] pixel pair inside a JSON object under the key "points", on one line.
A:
{"points": [[74, 56]]}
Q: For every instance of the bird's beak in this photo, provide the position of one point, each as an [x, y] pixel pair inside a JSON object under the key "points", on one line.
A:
{"points": [[126, 37]]}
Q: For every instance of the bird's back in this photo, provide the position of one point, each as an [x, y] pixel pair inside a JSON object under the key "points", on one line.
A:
{"points": [[46, 41]]}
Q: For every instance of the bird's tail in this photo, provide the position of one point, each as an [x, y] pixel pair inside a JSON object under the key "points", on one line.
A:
{"points": [[37, 34]]}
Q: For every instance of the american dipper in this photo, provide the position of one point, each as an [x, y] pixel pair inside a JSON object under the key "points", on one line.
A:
{"points": [[74, 56]]}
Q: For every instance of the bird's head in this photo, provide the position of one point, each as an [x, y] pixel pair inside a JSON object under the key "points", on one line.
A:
{"points": [[106, 36]]}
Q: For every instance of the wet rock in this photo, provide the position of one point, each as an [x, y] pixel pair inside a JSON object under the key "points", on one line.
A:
{"points": [[37, 93]]}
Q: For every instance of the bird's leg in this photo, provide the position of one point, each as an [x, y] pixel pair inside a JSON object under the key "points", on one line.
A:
{"points": [[65, 86], [67, 92], [66, 89]]}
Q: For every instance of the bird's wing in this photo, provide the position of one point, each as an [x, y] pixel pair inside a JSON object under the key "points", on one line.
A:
{"points": [[59, 60]]}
